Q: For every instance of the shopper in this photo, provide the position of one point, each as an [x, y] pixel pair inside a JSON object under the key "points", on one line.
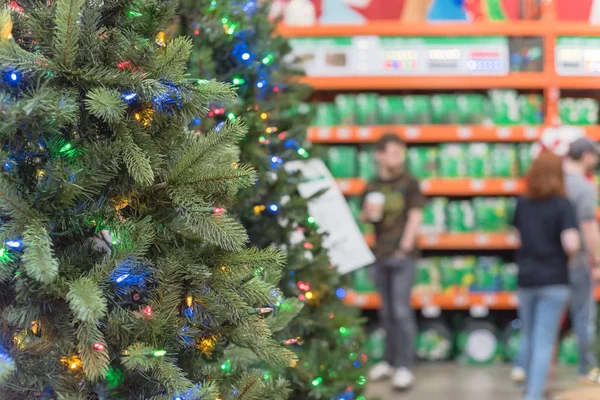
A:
{"points": [[394, 204], [546, 221], [581, 160]]}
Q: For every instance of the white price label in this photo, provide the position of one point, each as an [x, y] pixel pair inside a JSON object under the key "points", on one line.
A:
{"points": [[361, 300], [512, 239], [479, 311], [343, 132], [513, 300], [509, 185], [460, 300], [364, 132], [531, 133], [425, 186], [482, 239], [504, 133], [431, 240], [344, 185], [431, 311], [489, 299], [412, 132], [477, 185], [324, 132], [464, 132]]}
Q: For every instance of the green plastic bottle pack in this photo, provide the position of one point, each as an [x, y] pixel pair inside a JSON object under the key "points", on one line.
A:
{"points": [[461, 216], [341, 161], [478, 160], [422, 162], [452, 160], [504, 163]]}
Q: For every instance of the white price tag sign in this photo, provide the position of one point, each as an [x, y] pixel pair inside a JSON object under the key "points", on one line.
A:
{"points": [[412, 132], [364, 132], [324, 132], [504, 133], [509, 186], [531, 133], [482, 239], [461, 300], [431, 311], [343, 133], [477, 185], [479, 311], [464, 132]]}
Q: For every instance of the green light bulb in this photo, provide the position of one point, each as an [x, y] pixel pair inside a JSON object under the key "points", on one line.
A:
{"points": [[317, 381], [268, 59], [238, 81], [159, 353], [224, 20], [310, 220], [66, 147], [343, 331], [231, 116], [361, 380]]}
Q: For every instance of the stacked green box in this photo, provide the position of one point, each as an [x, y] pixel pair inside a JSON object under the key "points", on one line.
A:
{"points": [[452, 160], [367, 169], [325, 115], [504, 161], [342, 161], [472, 109], [434, 215], [461, 216], [363, 282], [531, 109], [578, 111], [367, 109], [346, 107], [478, 160], [488, 275], [525, 157], [504, 107], [422, 162], [492, 214]]}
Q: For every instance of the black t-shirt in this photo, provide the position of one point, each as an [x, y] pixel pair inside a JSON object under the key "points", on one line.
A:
{"points": [[541, 258]]}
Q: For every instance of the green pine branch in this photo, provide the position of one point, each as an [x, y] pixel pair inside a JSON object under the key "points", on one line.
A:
{"points": [[38, 257], [67, 31]]}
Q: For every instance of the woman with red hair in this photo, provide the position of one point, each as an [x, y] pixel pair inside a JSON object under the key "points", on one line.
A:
{"points": [[546, 221]]}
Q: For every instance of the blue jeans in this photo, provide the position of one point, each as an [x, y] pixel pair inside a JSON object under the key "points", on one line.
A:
{"points": [[583, 316], [540, 310]]}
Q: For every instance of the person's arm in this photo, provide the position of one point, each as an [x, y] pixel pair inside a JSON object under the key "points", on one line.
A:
{"points": [[589, 225], [414, 202], [570, 241], [569, 235]]}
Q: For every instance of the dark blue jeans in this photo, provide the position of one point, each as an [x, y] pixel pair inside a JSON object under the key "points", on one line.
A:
{"points": [[540, 310], [583, 315]]}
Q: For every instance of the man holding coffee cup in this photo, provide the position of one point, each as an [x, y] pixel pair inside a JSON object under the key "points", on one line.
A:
{"points": [[394, 203]]}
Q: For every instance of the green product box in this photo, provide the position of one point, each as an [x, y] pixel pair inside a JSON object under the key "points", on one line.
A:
{"points": [[525, 157], [488, 275], [434, 215], [325, 115], [404, 110], [504, 107], [531, 108], [367, 169], [472, 109], [363, 281], [341, 161], [510, 273], [367, 109], [427, 276], [444, 109], [504, 161], [460, 216], [422, 162], [491, 213], [464, 271], [346, 107], [478, 161], [452, 160], [578, 111], [355, 205], [446, 273]]}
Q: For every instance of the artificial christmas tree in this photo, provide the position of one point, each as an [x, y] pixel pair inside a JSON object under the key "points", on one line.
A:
{"points": [[234, 41], [123, 276]]}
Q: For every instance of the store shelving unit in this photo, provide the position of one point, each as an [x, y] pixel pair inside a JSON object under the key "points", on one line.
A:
{"points": [[445, 301], [547, 81]]}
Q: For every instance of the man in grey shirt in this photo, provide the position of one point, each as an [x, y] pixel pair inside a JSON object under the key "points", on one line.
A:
{"points": [[582, 160]]}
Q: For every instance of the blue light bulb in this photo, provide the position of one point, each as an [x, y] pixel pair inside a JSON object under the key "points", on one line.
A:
{"points": [[274, 159], [246, 56], [129, 96], [273, 207], [13, 77], [15, 244], [341, 293]]}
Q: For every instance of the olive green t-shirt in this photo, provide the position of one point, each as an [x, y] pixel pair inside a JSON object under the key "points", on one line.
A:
{"points": [[402, 194]]}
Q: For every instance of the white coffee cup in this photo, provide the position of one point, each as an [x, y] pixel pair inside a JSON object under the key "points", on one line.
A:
{"points": [[374, 202]]}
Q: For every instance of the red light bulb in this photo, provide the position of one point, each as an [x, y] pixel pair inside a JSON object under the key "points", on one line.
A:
{"points": [[98, 346]]}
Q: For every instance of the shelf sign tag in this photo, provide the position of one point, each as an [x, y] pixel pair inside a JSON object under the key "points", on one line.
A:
{"points": [[431, 311], [412, 132], [464, 132], [477, 185], [479, 311], [364, 132], [509, 185], [504, 133], [324, 132], [343, 132]]}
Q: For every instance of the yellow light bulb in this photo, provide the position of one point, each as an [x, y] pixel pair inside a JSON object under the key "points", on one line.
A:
{"points": [[264, 115], [308, 295], [189, 300]]}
